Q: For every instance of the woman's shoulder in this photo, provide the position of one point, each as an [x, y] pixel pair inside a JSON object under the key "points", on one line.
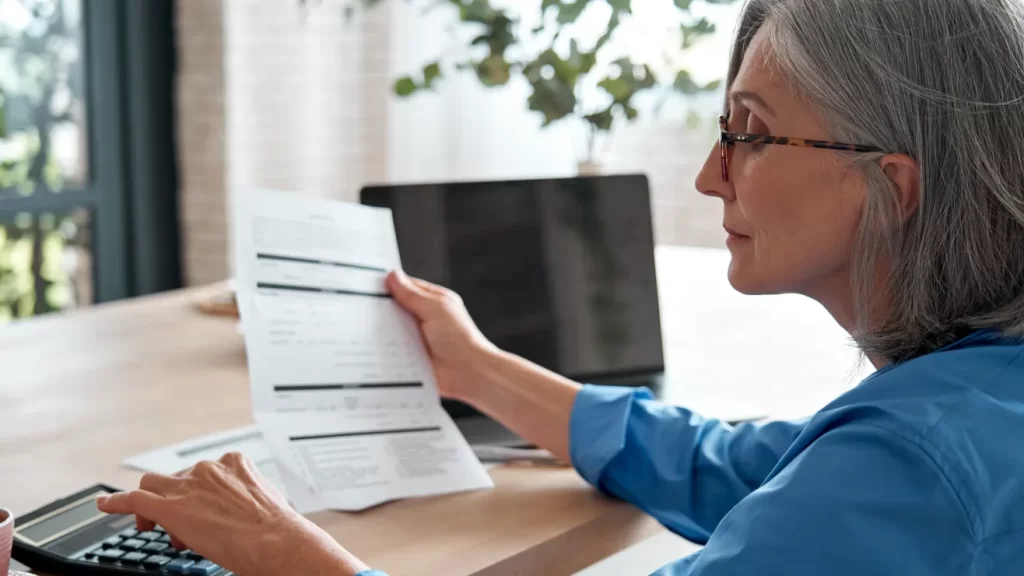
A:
{"points": [[972, 380], [963, 408]]}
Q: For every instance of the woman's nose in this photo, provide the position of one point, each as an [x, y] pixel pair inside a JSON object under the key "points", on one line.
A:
{"points": [[709, 180]]}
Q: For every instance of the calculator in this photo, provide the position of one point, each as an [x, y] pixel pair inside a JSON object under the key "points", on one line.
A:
{"points": [[71, 536]]}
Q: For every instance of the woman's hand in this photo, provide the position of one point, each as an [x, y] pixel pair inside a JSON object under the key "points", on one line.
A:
{"points": [[457, 348], [227, 512], [529, 400]]}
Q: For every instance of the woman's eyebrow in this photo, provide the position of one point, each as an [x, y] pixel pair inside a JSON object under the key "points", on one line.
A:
{"points": [[748, 96]]}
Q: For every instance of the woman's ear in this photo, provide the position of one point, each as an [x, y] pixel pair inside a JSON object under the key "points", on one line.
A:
{"points": [[905, 174]]}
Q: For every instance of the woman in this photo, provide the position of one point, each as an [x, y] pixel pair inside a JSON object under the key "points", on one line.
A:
{"points": [[910, 231]]}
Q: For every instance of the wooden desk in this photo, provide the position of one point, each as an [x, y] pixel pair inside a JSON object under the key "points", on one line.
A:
{"points": [[80, 392]]}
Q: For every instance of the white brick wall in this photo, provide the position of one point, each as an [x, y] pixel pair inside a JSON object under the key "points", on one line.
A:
{"points": [[271, 97], [201, 146]]}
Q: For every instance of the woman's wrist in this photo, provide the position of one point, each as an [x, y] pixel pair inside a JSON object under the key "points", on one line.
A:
{"points": [[310, 550], [484, 370]]}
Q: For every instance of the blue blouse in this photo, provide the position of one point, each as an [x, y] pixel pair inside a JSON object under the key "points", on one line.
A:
{"points": [[919, 470]]}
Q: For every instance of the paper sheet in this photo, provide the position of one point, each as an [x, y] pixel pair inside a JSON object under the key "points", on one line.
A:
{"points": [[342, 388], [171, 459]]}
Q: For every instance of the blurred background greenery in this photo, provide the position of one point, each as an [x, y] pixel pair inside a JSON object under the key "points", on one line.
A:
{"points": [[587, 78], [45, 257]]}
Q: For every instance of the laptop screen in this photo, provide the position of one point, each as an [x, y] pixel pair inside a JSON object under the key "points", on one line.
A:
{"points": [[558, 271]]}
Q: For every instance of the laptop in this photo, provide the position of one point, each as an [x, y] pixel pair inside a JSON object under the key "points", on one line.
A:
{"points": [[559, 271]]}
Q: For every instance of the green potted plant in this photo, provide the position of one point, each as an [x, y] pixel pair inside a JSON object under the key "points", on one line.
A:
{"points": [[592, 83]]}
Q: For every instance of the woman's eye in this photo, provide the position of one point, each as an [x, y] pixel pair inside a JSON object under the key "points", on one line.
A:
{"points": [[754, 125]]}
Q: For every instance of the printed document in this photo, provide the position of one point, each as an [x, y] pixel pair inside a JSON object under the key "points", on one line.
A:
{"points": [[184, 455], [342, 388]]}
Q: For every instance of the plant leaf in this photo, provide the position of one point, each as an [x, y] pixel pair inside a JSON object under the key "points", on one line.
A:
{"points": [[601, 120], [479, 11], [621, 6], [684, 83], [613, 23], [693, 32], [493, 70], [563, 70], [580, 62], [617, 87], [405, 86], [569, 12], [431, 72], [552, 98]]}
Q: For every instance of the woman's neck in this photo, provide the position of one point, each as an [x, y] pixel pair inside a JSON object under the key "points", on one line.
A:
{"points": [[836, 296]]}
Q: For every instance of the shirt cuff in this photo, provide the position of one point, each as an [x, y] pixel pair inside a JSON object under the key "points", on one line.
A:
{"points": [[371, 573], [597, 427]]}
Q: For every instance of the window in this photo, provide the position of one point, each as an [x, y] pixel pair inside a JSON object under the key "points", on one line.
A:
{"points": [[86, 168], [45, 219]]}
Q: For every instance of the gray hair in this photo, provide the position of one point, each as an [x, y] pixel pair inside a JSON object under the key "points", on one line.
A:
{"points": [[943, 82]]}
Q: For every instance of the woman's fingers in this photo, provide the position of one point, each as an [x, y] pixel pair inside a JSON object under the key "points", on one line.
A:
{"points": [[428, 287], [144, 524], [138, 502], [410, 296], [142, 502], [160, 484]]}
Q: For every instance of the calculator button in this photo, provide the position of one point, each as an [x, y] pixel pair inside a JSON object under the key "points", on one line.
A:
{"points": [[154, 547], [159, 530], [112, 541], [166, 539], [132, 544], [90, 554], [190, 555], [148, 535], [129, 532], [203, 568], [133, 558], [155, 561], [110, 555], [178, 566]]}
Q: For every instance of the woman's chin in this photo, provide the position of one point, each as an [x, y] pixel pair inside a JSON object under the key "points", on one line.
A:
{"points": [[744, 280]]}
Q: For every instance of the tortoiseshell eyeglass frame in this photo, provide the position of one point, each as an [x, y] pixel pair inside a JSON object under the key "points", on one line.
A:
{"points": [[728, 138]]}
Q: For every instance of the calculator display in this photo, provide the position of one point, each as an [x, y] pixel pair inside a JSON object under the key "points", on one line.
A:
{"points": [[70, 536], [50, 526]]}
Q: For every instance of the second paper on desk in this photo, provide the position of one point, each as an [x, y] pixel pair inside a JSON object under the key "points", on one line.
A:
{"points": [[342, 387]]}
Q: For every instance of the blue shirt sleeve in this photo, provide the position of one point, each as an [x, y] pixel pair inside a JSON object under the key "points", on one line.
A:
{"points": [[371, 573], [685, 470], [858, 500]]}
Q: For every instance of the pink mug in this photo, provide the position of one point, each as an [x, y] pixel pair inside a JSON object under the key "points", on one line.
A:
{"points": [[6, 539]]}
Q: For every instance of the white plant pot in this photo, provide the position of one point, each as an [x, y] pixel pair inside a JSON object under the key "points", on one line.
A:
{"points": [[589, 168]]}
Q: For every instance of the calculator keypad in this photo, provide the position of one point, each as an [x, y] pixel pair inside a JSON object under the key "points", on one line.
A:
{"points": [[154, 547], [131, 544], [155, 561], [133, 558], [110, 555], [150, 551]]}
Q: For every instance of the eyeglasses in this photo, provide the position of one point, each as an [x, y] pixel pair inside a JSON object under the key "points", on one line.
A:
{"points": [[730, 138]]}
